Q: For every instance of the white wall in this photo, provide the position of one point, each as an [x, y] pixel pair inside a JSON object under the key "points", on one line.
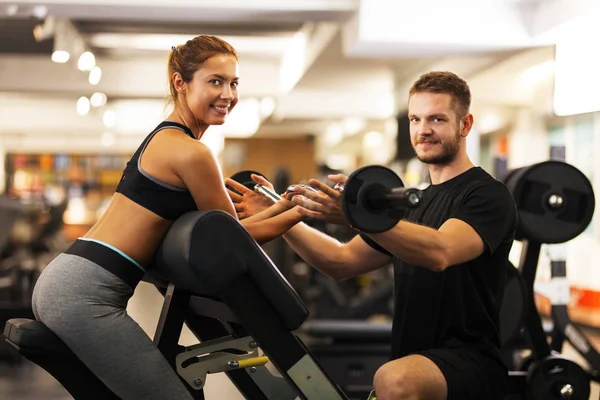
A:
{"points": [[527, 144], [474, 145], [583, 252], [528, 140]]}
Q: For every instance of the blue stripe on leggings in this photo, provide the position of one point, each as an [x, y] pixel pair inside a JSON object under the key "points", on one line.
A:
{"points": [[113, 248]]}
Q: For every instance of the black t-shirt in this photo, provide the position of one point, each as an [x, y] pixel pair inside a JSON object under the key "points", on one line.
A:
{"points": [[461, 305]]}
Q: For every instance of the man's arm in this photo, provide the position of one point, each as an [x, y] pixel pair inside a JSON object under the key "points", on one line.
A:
{"points": [[337, 260], [415, 244], [480, 223], [454, 243]]}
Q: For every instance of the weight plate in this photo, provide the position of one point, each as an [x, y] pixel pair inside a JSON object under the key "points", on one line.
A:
{"points": [[244, 178], [556, 378], [555, 201], [514, 305], [355, 199]]}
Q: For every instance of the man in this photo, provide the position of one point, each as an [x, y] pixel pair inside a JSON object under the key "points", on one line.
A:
{"points": [[449, 256]]}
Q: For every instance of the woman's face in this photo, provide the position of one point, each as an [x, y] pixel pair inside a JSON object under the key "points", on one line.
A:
{"points": [[212, 93]]}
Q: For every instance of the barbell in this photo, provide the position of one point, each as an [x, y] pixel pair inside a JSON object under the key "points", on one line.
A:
{"points": [[374, 199]]}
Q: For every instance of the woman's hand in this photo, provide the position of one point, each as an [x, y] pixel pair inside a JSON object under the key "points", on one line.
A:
{"points": [[262, 181], [246, 202]]}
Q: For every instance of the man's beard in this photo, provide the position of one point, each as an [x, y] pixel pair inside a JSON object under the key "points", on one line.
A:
{"points": [[446, 156]]}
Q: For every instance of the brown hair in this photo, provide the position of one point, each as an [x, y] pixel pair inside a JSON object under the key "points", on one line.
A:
{"points": [[448, 83], [188, 58]]}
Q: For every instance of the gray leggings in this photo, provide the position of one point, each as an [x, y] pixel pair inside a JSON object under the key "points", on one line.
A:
{"points": [[85, 305]]}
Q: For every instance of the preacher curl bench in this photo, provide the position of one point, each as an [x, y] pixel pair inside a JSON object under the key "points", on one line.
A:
{"points": [[219, 282]]}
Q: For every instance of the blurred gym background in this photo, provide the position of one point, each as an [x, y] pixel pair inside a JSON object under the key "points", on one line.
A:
{"points": [[324, 87]]}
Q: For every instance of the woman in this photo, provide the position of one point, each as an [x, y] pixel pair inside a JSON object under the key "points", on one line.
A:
{"points": [[82, 294]]}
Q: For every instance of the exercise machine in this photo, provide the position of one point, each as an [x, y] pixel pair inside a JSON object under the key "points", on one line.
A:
{"points": [[218, 281], [555, 203]]}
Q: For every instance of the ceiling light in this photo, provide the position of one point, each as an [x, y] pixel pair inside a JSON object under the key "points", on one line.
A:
{"points": [[98, 99], [340, 162], [214, 139], [39, 12], [391, 127], [334, 134], [95, 75], [538, 73], [12, 9], [87, 61], [109, 118], [83, 105], [373, 140], [267, 106], [60, 56], [45, 30], [244, 120], [489, 121], [75, 212], [353, 125]]}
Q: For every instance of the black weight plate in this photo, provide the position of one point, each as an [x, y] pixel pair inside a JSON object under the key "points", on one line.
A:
{"points": [[354, 199], [514, 305], [531, 188], [244, 178], [547, 377]]}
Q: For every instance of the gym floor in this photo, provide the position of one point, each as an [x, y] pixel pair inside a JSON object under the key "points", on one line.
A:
{"points": [[26, 381]]}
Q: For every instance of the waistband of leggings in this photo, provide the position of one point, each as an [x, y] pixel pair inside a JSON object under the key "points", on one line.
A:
{"points": [[112, 260]]}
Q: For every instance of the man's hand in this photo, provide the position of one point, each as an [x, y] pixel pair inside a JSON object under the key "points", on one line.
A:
{"points": [[323, 205]]}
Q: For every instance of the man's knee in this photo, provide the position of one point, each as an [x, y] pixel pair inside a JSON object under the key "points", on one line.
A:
{"points": [[410, 378]]}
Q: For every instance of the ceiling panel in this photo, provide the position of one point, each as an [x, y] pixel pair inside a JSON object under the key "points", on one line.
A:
{"points": [[164, 27]]}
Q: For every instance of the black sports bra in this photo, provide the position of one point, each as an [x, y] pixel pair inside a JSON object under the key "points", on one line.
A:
{"points": [[167, 201]]}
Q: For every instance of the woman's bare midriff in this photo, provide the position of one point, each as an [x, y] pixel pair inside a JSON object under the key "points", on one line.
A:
{"points": [[130, 228]]}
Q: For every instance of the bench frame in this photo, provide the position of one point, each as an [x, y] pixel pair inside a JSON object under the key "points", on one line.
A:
{"points": [[212, 319]]}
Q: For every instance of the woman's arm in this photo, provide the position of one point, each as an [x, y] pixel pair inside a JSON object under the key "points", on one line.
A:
{"points": [[252, 206], [270, 228], [201, 174]]}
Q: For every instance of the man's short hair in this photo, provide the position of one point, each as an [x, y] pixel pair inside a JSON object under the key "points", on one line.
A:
{"points": [[448, 83]]}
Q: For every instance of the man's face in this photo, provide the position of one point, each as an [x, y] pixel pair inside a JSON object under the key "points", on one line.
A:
{"points": [[434, 127]]}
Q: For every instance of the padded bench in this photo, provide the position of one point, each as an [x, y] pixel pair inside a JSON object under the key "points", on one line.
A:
{"points": [[40, 345]]}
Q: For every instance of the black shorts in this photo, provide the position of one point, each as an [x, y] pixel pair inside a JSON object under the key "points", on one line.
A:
{"points": [[470, 375]]}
